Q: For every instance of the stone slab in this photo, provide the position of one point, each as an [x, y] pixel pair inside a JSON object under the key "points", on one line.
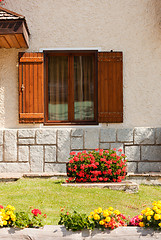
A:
{"points": [[149, 167], [1, 137], [36, 158], [63, 143], [125, 135], [126, 186], [158, 135], [108, 135], [91, 138], [132, 153], [77, 143], [50, 153], [59, 232], [10, 145], [104, 146], [46, 136], [77, 132], [132, 167], [26, 141], [23, 153], [1, 153], [55, 167], [151, 153], [26, 133], [144, 135], [14, 167]]}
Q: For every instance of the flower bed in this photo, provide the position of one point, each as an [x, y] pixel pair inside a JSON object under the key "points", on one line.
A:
{"points": [[96, 166]]}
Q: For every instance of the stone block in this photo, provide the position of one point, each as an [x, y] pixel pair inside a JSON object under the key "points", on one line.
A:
{"points": [[77, 132], [149, 167], [151, 153], [1, 153], [1, 137], [26, 133], [14, 167], [10, 145], [36, 158], [91, 138], [117, 146], [108, 135], [23, 153], [55, 167], [46, 136], [158, 135], [144, 135], [27, 141], [63, 145], [77, 143], [104, 145], [131, 167], [50, 153], [132, 153], [125, 135]]}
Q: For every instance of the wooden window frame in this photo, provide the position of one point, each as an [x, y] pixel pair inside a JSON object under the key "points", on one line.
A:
{"points": [[70, 54]]}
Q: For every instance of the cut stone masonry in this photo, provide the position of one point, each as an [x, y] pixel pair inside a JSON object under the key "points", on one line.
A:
{"points": [[47, 149]]}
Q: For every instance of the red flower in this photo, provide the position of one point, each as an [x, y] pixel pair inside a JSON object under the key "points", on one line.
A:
{"points": [[36, 212], [45, 216], [72, 153], [1, 206], [71, 161]]}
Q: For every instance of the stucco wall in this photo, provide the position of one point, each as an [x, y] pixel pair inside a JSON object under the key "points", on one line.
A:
{"points": [[131, 26]]}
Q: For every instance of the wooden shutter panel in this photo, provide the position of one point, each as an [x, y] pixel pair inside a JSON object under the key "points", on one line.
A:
{"points": [[110, 87], [31, 88]]}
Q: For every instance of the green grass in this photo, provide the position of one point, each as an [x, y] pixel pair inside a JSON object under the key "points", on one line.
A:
{"points": [[49, 196]]}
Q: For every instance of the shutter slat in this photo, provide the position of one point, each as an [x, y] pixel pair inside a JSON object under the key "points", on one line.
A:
{"points": [[110, 87], [31, 96]]}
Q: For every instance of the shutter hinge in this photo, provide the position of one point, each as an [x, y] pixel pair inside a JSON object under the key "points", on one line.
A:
{"points": [[22, 87]]}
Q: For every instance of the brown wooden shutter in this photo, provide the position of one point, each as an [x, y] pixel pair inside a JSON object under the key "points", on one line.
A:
{"points": [[110, 87], [31, 88]]}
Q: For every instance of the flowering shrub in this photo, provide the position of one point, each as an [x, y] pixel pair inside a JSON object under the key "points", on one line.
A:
{"points": [[107, 219], [151, 217], [7, 216], [135, 221], [75, 221], [32, 218], [96, 166]]}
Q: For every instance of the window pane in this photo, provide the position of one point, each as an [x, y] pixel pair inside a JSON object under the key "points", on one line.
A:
{"points": [[83, 88], [58, 88]]}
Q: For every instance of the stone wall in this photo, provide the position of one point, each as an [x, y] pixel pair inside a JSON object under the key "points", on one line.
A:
{"points": [[47, 149]]}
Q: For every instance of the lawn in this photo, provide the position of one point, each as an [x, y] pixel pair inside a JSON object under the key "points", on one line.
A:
{"points": [[49, 196]]}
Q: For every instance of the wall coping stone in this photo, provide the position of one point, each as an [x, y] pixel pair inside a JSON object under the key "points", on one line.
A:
{"points": [[52, 232]]}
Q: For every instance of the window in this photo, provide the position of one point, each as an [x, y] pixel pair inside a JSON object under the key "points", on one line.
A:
{"points": [[71, 87]]}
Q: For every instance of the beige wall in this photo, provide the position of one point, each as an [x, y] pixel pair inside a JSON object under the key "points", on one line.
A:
{"points": [[131, 26]]}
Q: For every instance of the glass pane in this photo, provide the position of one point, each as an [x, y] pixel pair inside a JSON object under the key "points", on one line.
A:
{"points": [[58, 88], [83, 88]]}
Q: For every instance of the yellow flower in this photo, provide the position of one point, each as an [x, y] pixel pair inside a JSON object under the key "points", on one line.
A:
{"points": [[99, 210], [89, 217], [140, 217], [158, 211], [6, 217], [4, 222], [159, 224], [148, 218], [101, 222], [95, 210], [117, 212], [143, 211], [9, 212], [110, 208], [141, 224], [108, 219], [91, 213], [157, 216], [110, 212], [155, 208], [105, 213], [96, 216]]}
